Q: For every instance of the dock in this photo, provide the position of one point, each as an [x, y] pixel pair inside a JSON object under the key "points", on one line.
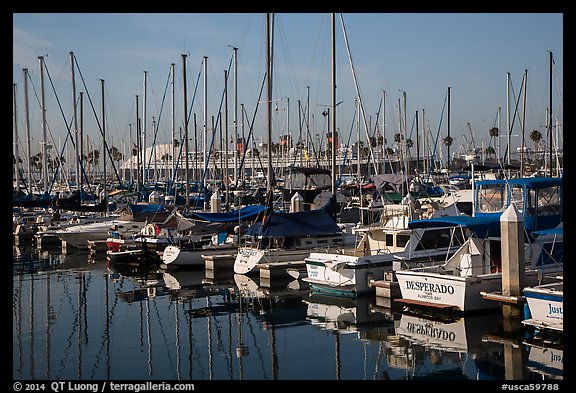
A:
{"points": [[273, 270], [219, 266], [387, 290]]}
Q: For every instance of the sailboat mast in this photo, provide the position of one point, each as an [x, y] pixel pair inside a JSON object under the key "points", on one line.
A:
{"points": [[236, 117], [205, 156], [144, 129], [173, 120], [333, 18], [28, 146], [187, 196], [81, 137], [44, 142], [105, 198], [522, 169], [75, 117], [226, 169], [550, 141], [269, 95], [138, 173], [16, 154]]}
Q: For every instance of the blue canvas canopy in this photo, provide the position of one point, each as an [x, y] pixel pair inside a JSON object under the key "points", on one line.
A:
{"points": [[305, 223], [241, 214], [488, 225]]}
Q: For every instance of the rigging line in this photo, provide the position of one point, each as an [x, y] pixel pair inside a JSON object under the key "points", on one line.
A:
{"points": [[50, 132], [357, 88], [106, 150], [251, 126], [346, 151], [218, 119], [436, 139], [153, 151], [515, 113], [189, 113]]}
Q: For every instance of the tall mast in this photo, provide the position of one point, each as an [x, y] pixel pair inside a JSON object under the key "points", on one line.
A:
{"points": [[173, 125], [44, 142], [205, 156], [104, 149], [417, 146], [138, 148], [550, 141], [81, 137], [75, 118], [269, 95], [16, 154], [187, 196], [226, 176], [508, 130], [449, 140], [333, 105], [28, 147], [144, 130], [236, 117], [523, 124]]}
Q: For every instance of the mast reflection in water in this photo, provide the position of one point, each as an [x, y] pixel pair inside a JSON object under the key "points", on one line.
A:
{"points": [[75, 317]]}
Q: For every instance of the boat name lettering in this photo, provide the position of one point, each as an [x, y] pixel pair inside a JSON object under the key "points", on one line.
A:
{"points": [[430, 331], [555, 309], [555, 357], [429, 287]]}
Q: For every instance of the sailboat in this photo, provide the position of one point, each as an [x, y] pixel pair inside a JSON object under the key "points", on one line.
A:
{"points": [[280, 237]]}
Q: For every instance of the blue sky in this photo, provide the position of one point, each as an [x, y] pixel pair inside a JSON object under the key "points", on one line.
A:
{"points": [[421, 54]]}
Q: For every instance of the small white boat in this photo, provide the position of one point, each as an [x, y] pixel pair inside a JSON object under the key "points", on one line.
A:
{"points": [[191, 254], [546, 306], [389, 246]]}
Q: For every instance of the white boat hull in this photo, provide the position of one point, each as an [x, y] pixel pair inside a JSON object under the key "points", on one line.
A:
{"points": [[546, 305], [248, 258], [448, 291], [340, 275], [177, 256], [462, 294]]}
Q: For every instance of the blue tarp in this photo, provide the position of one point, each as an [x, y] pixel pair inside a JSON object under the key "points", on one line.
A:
{"points": [[146, 208], [488, 225], [236, 215], [306, 223]]}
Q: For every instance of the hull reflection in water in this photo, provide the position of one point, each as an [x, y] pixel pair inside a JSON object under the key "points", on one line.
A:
{"points": [[80, 318]]}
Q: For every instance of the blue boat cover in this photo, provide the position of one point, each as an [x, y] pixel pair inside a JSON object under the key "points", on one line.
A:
{"points": [[305, 223], [146, 208], [241, 214], [559, 230], [488, 225]]}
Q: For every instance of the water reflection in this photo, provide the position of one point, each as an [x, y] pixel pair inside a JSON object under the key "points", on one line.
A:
{"points": [[76, 316]]}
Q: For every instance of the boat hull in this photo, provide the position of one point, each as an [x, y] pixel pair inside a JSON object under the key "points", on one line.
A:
{"points": [[546, 306], [248, 258], [463, 294], [179, 256]]}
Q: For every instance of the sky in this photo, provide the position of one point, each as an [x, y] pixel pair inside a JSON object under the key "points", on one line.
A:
{"points": [[402, 64]]}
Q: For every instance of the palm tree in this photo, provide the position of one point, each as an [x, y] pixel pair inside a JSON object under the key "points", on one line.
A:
{"points": [[489, 151], [536, 137]]}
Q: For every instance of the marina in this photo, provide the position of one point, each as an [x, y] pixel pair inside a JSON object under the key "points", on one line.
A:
{"points": [[240, 248]]}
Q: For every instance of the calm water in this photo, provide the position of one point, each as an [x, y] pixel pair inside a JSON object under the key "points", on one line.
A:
{"points": [[76, 318]]}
